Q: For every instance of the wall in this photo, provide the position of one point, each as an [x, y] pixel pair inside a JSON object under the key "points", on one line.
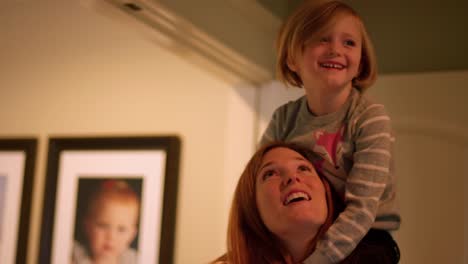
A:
{"points": [[430, 118], [68, 71], [465, 172]]}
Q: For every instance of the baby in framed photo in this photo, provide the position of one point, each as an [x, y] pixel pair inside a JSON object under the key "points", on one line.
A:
{"points": [[107, 220]]}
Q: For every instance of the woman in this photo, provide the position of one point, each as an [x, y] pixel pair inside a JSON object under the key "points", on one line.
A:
{"points": [[281, 206]]}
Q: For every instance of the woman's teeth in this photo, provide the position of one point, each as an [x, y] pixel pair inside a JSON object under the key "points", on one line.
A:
{"points": [[296, 197]]}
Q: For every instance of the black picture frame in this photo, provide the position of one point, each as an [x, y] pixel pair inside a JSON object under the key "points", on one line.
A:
{"points": [[59, 146], [27, 146]]}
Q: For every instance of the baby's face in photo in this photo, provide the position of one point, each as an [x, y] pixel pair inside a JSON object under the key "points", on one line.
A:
{"points": [[111, 227]]}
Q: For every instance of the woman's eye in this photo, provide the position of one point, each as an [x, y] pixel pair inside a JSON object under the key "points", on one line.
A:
{"points": [[304, 168], [268, 174], [350, 43]]}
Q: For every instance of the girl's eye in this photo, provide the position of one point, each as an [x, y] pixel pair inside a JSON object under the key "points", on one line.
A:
{"points": [[304, 168], [350, 43], [324, 39]]}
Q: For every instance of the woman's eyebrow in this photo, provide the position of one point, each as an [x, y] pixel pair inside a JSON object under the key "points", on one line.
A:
{"points": [[266, 165], [301, 159]]}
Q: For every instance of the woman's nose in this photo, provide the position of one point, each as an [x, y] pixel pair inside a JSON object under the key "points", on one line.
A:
{"points": [[290, 178]]}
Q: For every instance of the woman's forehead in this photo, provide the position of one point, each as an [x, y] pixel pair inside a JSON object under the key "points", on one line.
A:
{"points": [[279, 154]]}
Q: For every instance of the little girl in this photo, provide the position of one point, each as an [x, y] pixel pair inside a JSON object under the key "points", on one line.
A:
{"points": [[110, 225], [324, 48]]}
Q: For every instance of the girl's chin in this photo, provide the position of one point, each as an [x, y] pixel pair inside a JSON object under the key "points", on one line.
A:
{"points": [[338, 85]]}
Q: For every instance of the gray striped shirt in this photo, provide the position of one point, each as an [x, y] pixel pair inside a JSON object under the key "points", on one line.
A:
{"points": [[356, 144]]}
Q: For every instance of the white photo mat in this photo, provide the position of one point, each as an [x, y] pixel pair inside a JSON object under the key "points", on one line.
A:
{"points": [[17, 163], [12, 167], [147, 164]]}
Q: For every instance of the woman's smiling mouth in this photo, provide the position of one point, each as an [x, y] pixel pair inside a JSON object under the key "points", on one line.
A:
{"points": [[295, 197]]}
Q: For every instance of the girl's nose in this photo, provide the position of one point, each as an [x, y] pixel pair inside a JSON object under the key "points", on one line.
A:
{"points": [[334, 48]]}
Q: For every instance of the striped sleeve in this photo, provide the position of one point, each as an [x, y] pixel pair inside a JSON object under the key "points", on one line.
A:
{"points": [[364, 187]]}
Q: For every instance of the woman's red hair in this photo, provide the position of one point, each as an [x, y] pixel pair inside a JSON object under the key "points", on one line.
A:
{"points": [[248, 239]]}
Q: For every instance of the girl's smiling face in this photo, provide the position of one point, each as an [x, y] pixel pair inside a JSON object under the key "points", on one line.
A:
{"points": [[331, 59]]}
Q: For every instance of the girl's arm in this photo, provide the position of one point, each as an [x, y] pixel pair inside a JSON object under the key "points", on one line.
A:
{"points": [[367, 180]]}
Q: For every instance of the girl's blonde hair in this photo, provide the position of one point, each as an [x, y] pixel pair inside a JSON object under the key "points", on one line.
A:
{"points": [[248, 239], [310, 19]]}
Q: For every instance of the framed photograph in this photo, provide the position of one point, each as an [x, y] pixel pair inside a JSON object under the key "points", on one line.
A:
{"points": [[17, 160], [110, 199]]}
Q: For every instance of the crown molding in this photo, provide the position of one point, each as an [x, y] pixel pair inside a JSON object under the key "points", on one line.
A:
{"points": [[187, 31]]}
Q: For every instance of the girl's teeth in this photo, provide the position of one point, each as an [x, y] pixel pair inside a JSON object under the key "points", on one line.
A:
{"points": [[329, 65]]}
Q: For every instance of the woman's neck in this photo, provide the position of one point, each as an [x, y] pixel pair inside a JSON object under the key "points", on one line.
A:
{"points": [[326, 101], [297, 244]]}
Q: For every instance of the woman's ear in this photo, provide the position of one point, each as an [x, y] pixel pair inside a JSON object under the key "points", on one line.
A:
{"points": [[291, 64]]}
